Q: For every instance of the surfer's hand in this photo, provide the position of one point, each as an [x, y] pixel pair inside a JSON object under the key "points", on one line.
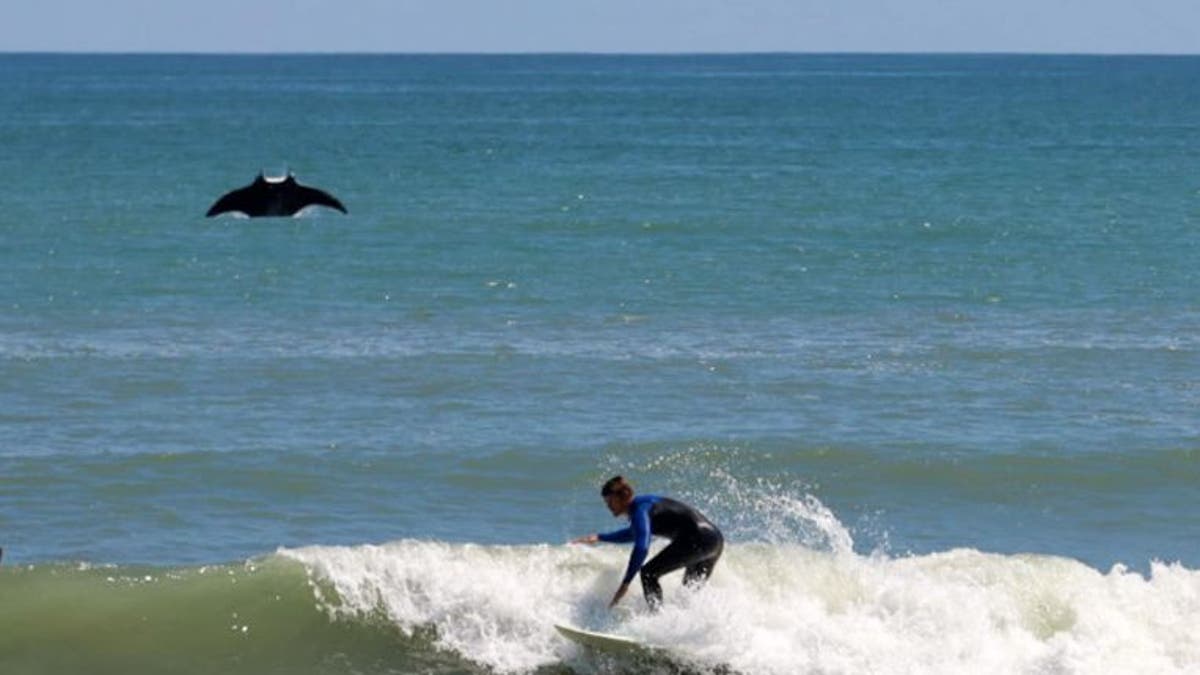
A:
{"points": [[618, 595], [586, 539]]}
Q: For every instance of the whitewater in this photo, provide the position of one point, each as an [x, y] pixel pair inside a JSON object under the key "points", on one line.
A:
{"points": [[777, 607]]}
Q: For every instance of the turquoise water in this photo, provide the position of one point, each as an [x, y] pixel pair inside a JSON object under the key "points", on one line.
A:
{"points": [[901, 320]]}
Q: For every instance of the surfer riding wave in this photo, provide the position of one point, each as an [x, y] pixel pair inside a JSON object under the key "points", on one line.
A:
{"points": [[696, 544]]}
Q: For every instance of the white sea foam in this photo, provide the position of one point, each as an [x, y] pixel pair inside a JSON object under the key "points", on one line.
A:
{"points": [[775, 607]]}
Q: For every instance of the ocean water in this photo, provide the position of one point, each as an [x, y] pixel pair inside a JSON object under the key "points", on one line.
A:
{"points": [[920, 333]]}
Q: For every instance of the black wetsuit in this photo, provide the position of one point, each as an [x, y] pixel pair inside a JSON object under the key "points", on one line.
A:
{"points": [[696, 544]]}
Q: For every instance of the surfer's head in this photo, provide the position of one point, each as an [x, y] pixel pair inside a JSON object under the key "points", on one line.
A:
{"points": [[617, 493]]}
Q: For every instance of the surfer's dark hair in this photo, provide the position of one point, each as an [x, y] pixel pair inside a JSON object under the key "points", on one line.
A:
{"points": [[617, 485]]}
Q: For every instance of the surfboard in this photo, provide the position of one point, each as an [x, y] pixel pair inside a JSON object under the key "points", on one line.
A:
{"points": [[605, 642]]}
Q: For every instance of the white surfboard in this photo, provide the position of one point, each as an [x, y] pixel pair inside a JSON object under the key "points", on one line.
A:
{"points": [[605, 642]]}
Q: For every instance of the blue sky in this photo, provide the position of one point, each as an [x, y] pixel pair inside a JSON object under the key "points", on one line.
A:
{"points": [[1056, 26]]}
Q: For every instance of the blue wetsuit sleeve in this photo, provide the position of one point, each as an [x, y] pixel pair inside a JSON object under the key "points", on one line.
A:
{"points": [[621, 536], [639, 527]]}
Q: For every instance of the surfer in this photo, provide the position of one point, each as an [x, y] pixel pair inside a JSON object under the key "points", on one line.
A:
{"points": [[696, 544]]}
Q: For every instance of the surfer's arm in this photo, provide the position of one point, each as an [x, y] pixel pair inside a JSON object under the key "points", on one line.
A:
{"points": [[621, 536], [639, 534], [618, 595]]}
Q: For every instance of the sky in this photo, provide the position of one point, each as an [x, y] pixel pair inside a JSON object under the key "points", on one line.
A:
{"points": [[606, 26]]}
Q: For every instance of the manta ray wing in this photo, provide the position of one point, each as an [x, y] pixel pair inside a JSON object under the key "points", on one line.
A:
{"points": [[249, 200], [305, 196]]}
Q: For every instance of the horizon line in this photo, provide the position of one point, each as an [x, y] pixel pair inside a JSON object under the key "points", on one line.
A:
{"points": [[332, 52]]}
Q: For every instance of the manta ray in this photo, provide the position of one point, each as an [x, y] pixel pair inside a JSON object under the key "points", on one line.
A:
{"points": [[273, 196]]}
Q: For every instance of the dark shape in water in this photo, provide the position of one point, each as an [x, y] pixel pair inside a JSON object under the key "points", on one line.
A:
{"points": [[273, 197]]}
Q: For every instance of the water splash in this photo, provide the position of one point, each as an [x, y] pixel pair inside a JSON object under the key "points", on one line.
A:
{"points": [[790, 595], [779, 608], [720, 481]]}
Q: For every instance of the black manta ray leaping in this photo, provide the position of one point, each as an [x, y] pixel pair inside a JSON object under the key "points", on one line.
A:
{"points": [[281, 196]]}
